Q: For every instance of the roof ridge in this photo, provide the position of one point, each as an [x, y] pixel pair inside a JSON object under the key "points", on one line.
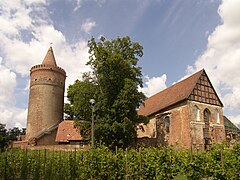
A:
{"points": [[173, 85], [171, 95]]}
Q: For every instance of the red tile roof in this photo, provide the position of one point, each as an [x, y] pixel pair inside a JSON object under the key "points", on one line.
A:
{"points": [[67, 132], [170, 96]]}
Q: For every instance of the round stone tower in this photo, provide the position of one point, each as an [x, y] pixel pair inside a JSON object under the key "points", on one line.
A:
{"points": [[46, 97]]}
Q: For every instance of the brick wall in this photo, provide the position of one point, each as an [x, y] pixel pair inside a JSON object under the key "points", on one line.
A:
{"points": [[46, 98]]}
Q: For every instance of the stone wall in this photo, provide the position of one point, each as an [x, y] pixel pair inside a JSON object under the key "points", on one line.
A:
{"points": [[47, 139], [186, 126], [197, 124]]}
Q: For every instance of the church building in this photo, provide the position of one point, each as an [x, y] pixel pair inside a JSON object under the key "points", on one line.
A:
{"points": [[187, 114]]}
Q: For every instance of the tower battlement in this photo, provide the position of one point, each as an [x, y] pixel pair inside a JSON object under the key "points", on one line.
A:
{"points": [[47, 67]]}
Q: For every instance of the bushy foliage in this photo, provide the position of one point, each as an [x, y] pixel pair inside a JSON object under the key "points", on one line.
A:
{"points": [[9, 135], [101, 163], [113, 83]]}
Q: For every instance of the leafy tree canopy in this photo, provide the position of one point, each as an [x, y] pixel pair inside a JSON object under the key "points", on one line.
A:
{"points": [[9, 135], [3, 136], [114, 84]]}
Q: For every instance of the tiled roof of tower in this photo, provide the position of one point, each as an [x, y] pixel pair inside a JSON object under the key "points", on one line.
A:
{"points": [[67, 132], [170, 96], [49, 59]]}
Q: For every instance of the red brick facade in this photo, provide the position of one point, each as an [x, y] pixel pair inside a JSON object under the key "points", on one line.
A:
{"points": [[193, 119]]}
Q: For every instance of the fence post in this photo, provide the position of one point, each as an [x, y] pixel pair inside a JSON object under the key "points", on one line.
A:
{"points": [[126, 164], [44, 169], [140, 170], [222, 158], [5, 166], [191, 154], [75, 163]]}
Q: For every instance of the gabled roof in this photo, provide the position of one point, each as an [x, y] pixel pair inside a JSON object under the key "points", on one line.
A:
{"points": [[67, 132], [49, 58], [179, 92]]}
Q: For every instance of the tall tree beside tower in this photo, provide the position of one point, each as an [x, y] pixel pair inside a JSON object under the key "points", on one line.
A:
{"points": [[116, 77]]}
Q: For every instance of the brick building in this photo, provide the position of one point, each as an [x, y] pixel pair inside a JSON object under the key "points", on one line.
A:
{"points": [[187, 114], [46, 101]]}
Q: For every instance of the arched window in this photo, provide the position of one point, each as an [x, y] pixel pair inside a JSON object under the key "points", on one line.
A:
{"points": [[196, 113], [167, 124], [216, 116], [206, 133], [206, 115]]}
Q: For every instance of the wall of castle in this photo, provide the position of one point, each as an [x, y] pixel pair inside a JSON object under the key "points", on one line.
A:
{"points": [[46, 99], [174, 126], [186, 124], [197, 124], [178, 132], [148, 130], [47, 139]]}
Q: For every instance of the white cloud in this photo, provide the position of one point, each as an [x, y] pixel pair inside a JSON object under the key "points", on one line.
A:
{"points": [[7, 85], [87, 25], [77, 4], [35, 1], [19, 54], [235, 119], [13, 117], [154, 85], [222, 56], [10, 115], [100, 2]]}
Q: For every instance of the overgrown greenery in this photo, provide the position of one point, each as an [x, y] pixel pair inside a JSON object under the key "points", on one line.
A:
{"points": [[9, 135], [101, 163], [114, 84]]}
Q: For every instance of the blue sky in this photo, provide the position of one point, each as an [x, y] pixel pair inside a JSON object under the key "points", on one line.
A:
{"points": [[179, 37]]}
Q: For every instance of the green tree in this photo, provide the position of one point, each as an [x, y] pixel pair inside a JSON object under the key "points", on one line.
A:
{"points": [[116, 78], [79, 95], [13, 133], [3, 136]]}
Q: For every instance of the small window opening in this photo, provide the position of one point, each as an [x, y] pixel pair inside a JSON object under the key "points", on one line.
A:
{"points": [[167, 124]]}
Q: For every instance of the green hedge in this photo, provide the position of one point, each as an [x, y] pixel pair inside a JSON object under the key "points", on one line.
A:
{"points": [[101, 163]]}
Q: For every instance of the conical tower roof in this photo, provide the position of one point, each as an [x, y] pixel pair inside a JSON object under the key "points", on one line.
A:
{"points": [[49, 58]]}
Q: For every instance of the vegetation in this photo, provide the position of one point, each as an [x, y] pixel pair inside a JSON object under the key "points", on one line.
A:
{"points": [[9, 135], [101, 163], [114, 84], [3, 136]]}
